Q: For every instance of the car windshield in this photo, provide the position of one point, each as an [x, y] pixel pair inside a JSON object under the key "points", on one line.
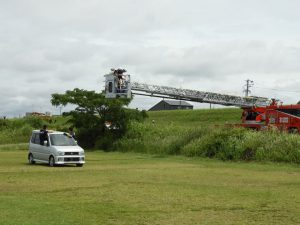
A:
{"points": [[62, 140]]}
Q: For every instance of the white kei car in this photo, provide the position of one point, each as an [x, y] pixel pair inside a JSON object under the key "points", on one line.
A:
{"points": [[58, 148]]}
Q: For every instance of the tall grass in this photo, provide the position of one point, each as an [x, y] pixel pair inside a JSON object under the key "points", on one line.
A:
{"points": [[15, 131], [193, 133], [241, 144]]}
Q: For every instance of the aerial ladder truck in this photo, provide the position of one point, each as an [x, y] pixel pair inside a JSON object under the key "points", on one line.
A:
{"points": [[259, 113]]}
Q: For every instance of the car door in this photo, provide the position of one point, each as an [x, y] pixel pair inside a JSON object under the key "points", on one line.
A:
{"points": [[35, 146], [45, 150]]}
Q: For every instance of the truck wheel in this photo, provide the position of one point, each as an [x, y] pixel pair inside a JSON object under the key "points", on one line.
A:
{"points": [[30, 159], [293, 130], [79, 164], [51, 161]]}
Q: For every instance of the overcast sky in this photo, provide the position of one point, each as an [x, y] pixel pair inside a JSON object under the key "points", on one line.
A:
{"points": [[49, 46]]}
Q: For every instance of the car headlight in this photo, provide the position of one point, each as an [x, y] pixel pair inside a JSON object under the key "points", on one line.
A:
{"points": [[81, 153], [60, 153]]}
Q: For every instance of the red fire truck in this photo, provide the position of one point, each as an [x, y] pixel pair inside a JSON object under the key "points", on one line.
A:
{"points": [[281, 117]]}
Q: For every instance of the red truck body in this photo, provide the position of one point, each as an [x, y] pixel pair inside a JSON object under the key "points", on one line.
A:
{"points": [[281, 117]]}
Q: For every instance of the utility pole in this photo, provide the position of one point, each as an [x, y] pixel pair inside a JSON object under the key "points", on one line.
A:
{"points": [[248, 85]]}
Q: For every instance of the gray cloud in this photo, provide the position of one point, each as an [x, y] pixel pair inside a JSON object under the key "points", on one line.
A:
{"points": [[52, 46]]}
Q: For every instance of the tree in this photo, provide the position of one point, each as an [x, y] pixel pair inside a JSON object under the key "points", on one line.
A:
{"points": [[93, 113]]}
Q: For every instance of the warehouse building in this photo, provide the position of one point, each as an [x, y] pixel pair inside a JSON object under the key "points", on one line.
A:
{"points": [[171, 105]]}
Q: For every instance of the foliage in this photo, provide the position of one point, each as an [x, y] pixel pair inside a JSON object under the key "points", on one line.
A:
{"points": [[4, 123], [34, 121], [98, 120], [16, 131], [174, 133]]}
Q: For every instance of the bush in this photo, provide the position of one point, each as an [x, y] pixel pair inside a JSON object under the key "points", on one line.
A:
{"points": [[4, 124], [105, 142], [223, 143], [34, 122], [25, 130], [15, 131]]}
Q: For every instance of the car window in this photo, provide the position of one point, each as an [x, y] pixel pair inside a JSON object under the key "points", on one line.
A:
{"points": [[62, 140], [35, 138], [32, 138]]}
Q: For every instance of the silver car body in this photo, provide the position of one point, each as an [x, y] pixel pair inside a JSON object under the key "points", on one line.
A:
{"points": [[66, 153]]}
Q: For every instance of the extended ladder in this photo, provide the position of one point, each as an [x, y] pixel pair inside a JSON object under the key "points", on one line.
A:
{"points": [[197, 96], [121, 86]]}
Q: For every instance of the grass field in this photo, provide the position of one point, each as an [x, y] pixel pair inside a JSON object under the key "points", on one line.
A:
{"points": [[130, 188]]}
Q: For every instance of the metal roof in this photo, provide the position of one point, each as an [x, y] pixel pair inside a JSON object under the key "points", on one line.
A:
{"points": [[177, 103]]}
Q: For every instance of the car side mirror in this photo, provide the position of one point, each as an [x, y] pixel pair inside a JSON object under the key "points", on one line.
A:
{"points": [[45, 143]]}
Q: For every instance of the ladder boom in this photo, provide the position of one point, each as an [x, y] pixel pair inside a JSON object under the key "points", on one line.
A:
{"points": [[118, 85], [198, 96]]}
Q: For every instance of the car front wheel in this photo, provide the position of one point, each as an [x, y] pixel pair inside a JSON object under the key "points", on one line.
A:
{"points": [[51, 161]]}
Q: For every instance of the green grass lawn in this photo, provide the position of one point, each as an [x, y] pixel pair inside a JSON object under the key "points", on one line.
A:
{"points": [[195, 118], [130, 188]]}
